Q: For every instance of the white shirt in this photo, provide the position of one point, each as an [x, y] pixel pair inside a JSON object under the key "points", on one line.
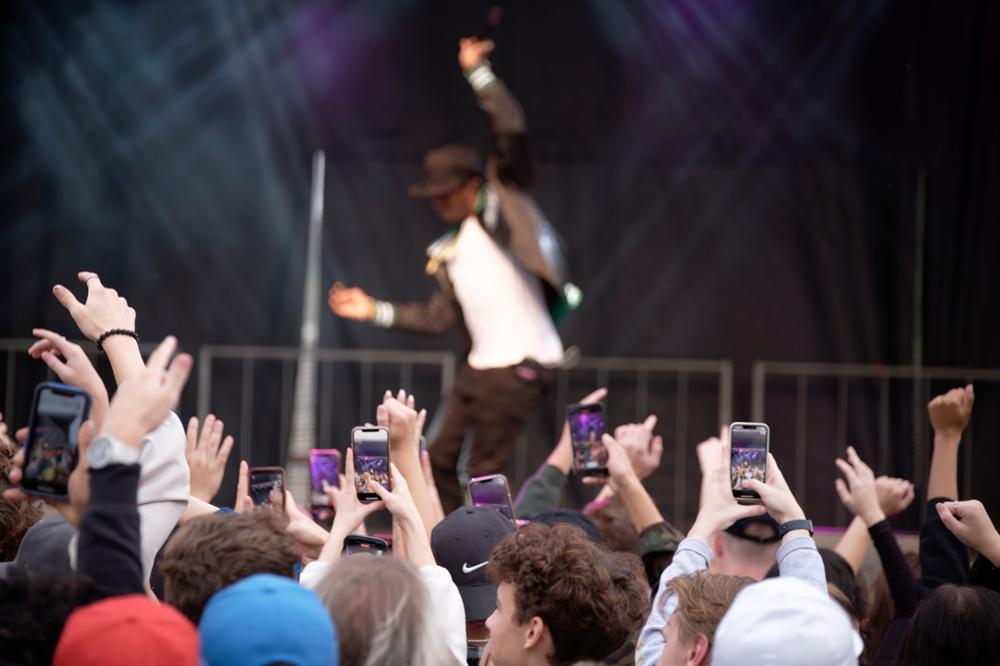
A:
{"points": [[502, 303]]}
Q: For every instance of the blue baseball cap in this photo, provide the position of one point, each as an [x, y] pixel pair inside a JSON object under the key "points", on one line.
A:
{"points": [[267, 619]]}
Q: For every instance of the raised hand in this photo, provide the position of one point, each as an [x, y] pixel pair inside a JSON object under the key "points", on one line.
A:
{"points": [[969, 522], [472, 52], [350, 302], [950, 412], [103, 310], [777, 497], [399, 415], [858, 493], [206, 455], [620, 470], [709, 451], [561, 456], [243, 503], [351, 511], [407, 518], [718, 508], [73, 368], [644, 450], [309, 536], [894, 495], [141, 403]]}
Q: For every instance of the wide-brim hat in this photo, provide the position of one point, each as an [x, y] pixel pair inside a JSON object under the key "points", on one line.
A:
{"points": [[446, 169]]}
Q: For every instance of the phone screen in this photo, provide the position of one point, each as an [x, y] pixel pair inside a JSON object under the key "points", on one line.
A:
{"points": [[371, 460], [586, 427], [355, 545], [493, 494], [267, 487], [324, 472], [749, 443], [51, 454]]}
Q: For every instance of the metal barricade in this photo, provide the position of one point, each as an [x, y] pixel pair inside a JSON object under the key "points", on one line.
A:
{"points": [[843, 379]]}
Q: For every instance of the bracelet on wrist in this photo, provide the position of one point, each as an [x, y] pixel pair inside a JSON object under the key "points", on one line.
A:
{"points": [[115, 331]]}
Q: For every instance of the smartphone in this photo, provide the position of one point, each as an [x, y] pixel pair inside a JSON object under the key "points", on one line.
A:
{"points": [[356, 544], [50, 449], [492, 491], [750, 443], [324, 472], [370, 446], [267, 486], [586, 427]]}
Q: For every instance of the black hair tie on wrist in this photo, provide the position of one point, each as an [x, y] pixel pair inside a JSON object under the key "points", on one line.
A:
{"points": [[115, 331]]}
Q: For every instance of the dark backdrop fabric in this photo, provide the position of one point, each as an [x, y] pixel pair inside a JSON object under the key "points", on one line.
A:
{"points": [[747, 180]]}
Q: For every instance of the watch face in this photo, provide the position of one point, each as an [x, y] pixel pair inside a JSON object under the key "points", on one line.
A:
{"points": [[98, 452]]}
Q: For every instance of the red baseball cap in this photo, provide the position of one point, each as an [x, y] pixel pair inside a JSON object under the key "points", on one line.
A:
{"points": [[127, 630]]}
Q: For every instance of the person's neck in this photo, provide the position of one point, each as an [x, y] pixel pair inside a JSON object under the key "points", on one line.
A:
{"points": [[477, 631]]}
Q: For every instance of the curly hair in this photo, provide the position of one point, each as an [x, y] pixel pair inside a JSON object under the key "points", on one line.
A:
{"points": [[212, 552], [702, 599], [16, 518], [591, 600], [34, 609]]}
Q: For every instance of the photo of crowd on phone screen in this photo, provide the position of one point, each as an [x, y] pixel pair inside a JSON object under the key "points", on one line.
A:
{"points": [[370, 468], [747, 464], [266, 490], [586, 428]]}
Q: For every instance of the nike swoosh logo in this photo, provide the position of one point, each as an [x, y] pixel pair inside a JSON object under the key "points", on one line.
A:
{"points": [[466, 569]]}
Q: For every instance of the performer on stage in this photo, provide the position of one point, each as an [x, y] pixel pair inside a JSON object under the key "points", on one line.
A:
{"points": [[501, 276]]}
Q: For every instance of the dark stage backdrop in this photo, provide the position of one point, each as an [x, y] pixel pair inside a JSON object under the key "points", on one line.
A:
{"points": [[811, 181]]}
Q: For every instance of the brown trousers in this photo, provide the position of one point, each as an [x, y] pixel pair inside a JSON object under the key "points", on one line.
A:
{"points": [[495, 404]]}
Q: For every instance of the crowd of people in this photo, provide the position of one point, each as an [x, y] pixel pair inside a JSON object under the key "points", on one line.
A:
{"points": [[138, 566]]}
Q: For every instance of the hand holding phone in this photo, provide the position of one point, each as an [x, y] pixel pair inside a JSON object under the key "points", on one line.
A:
{"points": [[750, 443], [267, 486], [324, 473], [50, 449], [586, 427]]}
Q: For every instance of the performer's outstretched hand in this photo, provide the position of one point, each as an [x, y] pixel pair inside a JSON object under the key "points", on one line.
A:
{"points": [[472, 51], [351, 302]]}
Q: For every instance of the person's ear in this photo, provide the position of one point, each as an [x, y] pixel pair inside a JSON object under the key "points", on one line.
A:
{"points": [[536, 631], [697, 653]]}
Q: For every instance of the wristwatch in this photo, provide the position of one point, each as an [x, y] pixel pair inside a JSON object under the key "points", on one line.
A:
{"points": [[107, 450], [795, 525]]}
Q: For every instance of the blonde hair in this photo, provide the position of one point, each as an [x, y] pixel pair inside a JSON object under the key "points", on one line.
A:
{"points": [[381, 610], [702, 599]]}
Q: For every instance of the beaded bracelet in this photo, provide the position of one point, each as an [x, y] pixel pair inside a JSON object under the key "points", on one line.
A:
{"points": [[115, 331]]}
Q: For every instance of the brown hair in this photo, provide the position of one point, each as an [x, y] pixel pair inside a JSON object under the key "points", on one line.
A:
{"points": [[212, 552], [591, 600], [882, 608], [614, 524], [702, 599], [16, 518], [382, 613]]}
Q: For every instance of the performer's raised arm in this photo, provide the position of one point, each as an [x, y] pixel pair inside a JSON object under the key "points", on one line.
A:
{"points": [[510, 131]]}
